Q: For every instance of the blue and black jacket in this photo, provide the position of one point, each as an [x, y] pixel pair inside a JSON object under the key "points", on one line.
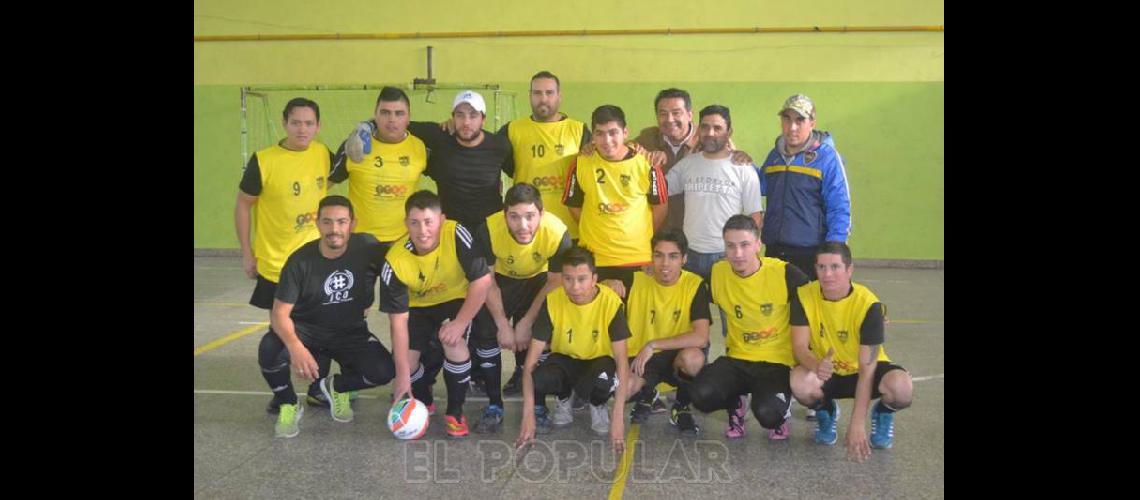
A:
{"points": [[808, 201]]}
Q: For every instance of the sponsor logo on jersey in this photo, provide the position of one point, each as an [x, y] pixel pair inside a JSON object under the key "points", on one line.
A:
{"points": [[551, 181], [766, 309], [842, 336], [391, 191], [304, 221], [558, 148], [405, 161], [338, 286], [616, 207], [760, 336]]}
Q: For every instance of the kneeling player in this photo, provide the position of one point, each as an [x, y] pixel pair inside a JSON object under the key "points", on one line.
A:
{"points": [[837, 332], [434, 285], [669, 324], [585, 325], [318, 309], [755, 291]]}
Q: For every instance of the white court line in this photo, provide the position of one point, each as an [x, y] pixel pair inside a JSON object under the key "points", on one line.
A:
{"points": [[253, 322], [266, 393], [931, 377]]}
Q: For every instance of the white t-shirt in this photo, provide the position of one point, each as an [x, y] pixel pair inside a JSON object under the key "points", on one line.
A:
{"points": [[714, 191]]}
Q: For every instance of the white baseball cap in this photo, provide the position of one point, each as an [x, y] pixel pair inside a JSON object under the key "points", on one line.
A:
{"points": [[470, 97]]}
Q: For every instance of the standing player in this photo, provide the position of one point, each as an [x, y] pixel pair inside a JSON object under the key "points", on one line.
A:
{"points": [[384, 178], [281, 186], [544, 144], [618, 199]]}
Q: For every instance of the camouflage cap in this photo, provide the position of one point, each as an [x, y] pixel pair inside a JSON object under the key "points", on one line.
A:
{"points": [[800, 104]]}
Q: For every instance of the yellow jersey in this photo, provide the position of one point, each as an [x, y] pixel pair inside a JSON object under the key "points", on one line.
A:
{"points": [[582, 331], [285, 215], [518, 261], [542, 153], [616, 223], [758, 311], [439, 276], [379, 185], [659, 312], [837, 324]]}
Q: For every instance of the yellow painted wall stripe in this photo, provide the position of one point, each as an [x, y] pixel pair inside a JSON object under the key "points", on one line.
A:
{"points": [[229, 338], [622, 473], [814, 172]]}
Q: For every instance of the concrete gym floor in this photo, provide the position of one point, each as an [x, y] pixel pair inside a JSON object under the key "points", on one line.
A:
{"points": [[236, 455]]}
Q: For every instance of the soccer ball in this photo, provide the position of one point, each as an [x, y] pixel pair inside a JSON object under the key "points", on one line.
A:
{"points": [[408, 419]]}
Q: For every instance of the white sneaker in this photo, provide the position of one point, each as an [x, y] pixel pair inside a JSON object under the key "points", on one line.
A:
{"points": [[600, 419], [562, 415]]}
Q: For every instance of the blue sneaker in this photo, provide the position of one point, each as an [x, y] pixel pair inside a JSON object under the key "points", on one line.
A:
{"points": [[542, 424], [882, 428], [492, 420], [826, 423]]}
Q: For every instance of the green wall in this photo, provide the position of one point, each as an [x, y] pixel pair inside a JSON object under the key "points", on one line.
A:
{"points": [[881, 95]]}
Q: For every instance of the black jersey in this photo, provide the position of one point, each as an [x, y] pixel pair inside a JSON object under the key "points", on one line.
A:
{"points": [[469, 180], [329, 296]]}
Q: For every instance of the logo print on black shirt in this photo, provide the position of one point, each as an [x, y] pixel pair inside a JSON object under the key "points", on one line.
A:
{"points": [[338, 286]]}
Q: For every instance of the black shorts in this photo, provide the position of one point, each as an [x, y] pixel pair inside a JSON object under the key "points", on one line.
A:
{"points": [[623, 274], [424, 324], [843, 387], [519, 294], [659, 368], [737, 376], [263, 293], [560, 374], [357, 351]]}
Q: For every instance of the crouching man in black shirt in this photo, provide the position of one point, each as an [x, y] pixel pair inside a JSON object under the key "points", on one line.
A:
{"points": [[326, 285]]}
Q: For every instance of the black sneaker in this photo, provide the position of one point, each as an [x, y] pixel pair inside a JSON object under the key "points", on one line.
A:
{"points": [[683, 419], [317, 399], [514, 385], [274, 406], [640, 413]]}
